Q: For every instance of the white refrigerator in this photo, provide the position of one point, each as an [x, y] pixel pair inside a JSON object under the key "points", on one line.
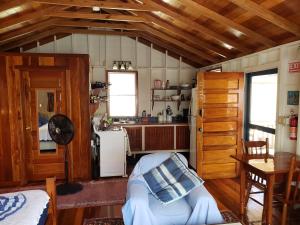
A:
{"points": [[193, 112], [112, 153]]}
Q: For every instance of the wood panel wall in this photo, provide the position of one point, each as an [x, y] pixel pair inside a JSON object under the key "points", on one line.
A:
{"points": [[12, 164]]}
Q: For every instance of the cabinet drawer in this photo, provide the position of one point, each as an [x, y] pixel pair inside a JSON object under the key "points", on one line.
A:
{"points": [[218, 156], [219, 140], [219, 170], [220, 98], [219, 126], [212, 113]]}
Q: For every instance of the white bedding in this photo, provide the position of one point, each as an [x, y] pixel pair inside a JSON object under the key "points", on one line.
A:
{"points": [[44, 134], [30, 213]]}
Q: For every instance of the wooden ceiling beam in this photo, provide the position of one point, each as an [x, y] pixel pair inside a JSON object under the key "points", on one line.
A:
{"points": [[268, 15], [176, 42], [229, 23], [98, 32], [96, 16], [101, 4], [9, 36], [201, 29], [268, 4], [172, 48], [12, 4], [30, 38], [190, 38], [121, 26]]}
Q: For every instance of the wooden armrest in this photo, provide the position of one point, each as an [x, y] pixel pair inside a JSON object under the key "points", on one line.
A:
{"points": [[52, 208]]}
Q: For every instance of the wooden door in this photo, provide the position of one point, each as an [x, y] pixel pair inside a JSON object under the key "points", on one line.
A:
{"points": [[219, 123], [44, 95], [159, 138]]}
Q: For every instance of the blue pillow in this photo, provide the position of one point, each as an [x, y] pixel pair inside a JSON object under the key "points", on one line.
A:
{"points": [[171, 180]]}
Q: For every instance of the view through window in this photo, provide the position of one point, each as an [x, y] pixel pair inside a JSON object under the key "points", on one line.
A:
{"points": [[122, 93], [261, 106]]}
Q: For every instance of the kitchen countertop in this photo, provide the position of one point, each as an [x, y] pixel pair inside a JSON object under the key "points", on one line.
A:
{"points": [[149, 124]]}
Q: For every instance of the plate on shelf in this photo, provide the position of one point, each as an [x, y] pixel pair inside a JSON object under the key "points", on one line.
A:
{"points": [[185, 85]]}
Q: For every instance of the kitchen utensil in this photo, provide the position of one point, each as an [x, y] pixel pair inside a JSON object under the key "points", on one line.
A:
{"points": [[175, 97], [157, 83]]}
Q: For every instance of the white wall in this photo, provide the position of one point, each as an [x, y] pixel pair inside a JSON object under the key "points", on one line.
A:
{"points": [[277, 57], [150, 64]]}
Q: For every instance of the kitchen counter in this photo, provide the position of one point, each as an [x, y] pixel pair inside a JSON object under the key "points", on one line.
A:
{"points": [[149, 137], [150, 124]]}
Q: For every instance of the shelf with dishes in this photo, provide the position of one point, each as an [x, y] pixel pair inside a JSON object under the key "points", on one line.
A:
{"points": [[179, 97], [98, 94]]}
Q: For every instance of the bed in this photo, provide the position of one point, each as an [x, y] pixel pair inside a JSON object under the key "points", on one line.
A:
{"points": [[29, 206], [44, 134]]}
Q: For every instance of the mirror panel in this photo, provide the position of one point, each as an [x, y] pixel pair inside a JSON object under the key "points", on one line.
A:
{"points": [[46, 105]]}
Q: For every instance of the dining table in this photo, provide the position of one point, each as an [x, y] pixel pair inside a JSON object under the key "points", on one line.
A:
{"points": [[271, 166]]}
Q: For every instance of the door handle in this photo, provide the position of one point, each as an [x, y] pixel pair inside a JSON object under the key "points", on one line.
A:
{"points": [[200, 129], [28, 128]]}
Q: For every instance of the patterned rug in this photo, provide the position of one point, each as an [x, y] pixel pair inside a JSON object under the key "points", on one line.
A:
{"points": [[228, 216]]}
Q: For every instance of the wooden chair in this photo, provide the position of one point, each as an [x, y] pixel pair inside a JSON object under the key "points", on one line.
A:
{"points": [[291, 195], [255, 178]]}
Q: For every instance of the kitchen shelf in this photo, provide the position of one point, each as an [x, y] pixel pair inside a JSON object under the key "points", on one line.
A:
{"points": [[176, 88], [178, 102], [95, 105]]}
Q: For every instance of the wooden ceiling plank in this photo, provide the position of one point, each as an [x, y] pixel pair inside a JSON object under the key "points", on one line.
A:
{"points": [[201, 29], [174, 41], [101, 4], [268, 4], [268, 15], [12, 4], [14, 20], [70, 23], [29, 39], [96, 16], [171, 48], [193, 39], [229, 23], [9, 36]]}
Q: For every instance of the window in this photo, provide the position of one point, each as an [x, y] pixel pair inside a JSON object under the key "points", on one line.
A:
{"points": [[122, 93], [261, 98]]}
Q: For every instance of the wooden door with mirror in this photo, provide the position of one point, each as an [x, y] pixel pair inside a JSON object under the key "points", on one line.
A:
{"points": [[44, 94]]}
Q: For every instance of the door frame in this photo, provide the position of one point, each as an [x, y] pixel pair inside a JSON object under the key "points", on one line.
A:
{"points": [[247, 124]]}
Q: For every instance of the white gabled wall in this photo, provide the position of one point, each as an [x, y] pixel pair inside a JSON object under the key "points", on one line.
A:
{"points": [[150, 64], [277, 57]]}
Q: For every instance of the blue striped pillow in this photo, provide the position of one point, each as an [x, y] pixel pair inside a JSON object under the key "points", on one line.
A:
{"points": [[171, 180]]}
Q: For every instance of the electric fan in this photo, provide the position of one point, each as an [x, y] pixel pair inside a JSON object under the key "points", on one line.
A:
{"points": [[61, 130]]}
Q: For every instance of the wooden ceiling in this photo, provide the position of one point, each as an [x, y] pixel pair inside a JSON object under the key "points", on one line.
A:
{"points": [[203, 32]]}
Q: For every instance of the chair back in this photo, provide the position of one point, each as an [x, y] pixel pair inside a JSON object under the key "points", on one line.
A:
{"points": [[292, 192], [256, 147]]}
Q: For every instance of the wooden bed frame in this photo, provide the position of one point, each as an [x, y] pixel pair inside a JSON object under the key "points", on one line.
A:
{"points": [[52, 208]]}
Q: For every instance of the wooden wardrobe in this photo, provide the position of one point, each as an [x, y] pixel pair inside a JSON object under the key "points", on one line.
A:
{"points": [[24, 79], [219, 123]]}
